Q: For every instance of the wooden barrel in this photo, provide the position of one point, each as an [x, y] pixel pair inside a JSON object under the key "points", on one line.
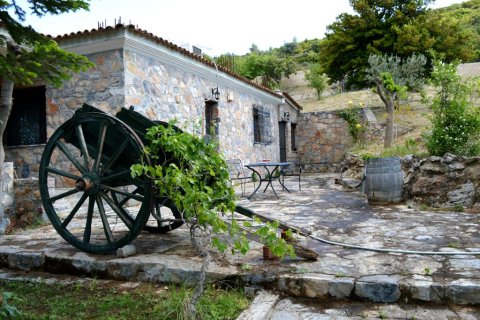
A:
{"points": [[383, 180]]}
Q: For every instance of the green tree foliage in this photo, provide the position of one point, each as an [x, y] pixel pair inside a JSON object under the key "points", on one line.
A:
{"points": [[254, 48], [30, 55], [35, 55], [437, 34], [456, 121], [392, 76], [307, 51], [316, 79], [394, 27], [289, 48], [269, 67], [468, 16]]}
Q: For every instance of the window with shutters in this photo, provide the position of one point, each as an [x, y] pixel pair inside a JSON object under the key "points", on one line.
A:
{"points": [[27, 122], [262, 129]]}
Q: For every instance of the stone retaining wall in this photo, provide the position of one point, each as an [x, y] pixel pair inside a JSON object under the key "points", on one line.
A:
{"points": [[323, 140], [446, 182]]}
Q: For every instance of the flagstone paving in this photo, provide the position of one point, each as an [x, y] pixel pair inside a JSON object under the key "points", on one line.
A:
{"points": [[324, 211]]}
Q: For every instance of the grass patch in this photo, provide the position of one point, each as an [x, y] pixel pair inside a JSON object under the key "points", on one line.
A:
{"points": [[340, 101], [95, 301]]}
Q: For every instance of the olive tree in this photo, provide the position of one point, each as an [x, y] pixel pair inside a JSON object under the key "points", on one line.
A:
{"points": [[392, 77]]}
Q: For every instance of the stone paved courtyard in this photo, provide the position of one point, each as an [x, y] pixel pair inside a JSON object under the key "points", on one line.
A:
{"points": [[340, 272]]}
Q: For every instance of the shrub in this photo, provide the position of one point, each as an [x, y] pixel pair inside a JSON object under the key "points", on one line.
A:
{"points": [[456, 122], [316, 79], [351, 116]]}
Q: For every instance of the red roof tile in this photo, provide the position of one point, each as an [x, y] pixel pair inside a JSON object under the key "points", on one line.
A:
{"points": [[289, 98]]}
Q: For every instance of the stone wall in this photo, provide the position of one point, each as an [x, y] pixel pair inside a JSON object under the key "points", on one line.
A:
{"points": [[165, 92], [445, 182], [28, 203], [25, 159], [160, 91], [7, 196], [101, 86], [323, 141]]}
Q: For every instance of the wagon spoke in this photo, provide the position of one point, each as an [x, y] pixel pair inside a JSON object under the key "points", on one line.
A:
{"points": [[63, 195], [70, 156], [115, 156], [74, 210], [124, 193], [90, 155], [121, 203], [62, 173], [119, 211], [103, 216], [83, 144], [121, 174], [159, 215], [101, 142], [88, 224]]}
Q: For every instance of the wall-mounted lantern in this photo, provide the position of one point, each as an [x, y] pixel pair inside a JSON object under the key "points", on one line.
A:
{"points": [[215, 93], [286, 116]]}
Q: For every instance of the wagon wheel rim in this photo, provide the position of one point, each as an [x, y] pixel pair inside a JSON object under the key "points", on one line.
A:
{"points": [[165, 216], [91, 155]]}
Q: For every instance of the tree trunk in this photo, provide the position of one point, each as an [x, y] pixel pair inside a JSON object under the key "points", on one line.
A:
{"points": [[6, 103], [389, 123], [388, 99]]}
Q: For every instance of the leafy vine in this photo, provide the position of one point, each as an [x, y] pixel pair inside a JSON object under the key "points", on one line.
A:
{"points": [[195, 177], [350, 115]]}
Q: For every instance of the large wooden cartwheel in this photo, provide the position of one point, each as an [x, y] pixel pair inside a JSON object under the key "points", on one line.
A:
{"points": [[99, 207]]}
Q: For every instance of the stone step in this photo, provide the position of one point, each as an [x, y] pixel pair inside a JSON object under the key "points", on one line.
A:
{"points": [[165, 268]]}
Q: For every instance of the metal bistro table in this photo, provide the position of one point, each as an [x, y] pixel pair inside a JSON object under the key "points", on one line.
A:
{"points": [[271, 168]]}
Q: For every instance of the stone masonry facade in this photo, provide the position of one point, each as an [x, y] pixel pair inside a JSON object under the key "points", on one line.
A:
{"points": [[161, 90], [164, 92]]}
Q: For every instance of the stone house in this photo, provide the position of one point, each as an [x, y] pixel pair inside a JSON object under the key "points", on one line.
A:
{"points": [[163, 82]]}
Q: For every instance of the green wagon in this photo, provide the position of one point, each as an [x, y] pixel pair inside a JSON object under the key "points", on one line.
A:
{"points": [[86, 187]]}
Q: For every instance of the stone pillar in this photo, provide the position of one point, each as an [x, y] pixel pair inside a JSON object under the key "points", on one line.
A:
{"points": [[7, 196]]}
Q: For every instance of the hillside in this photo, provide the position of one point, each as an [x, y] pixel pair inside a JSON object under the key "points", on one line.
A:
{"points": [[411, 119]]}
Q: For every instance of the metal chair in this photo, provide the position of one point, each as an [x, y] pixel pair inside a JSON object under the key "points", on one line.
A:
{"points": [[236, 172], [293, 170]]}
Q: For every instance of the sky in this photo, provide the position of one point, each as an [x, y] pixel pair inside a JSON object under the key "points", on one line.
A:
{"points": [[216, 26]]}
